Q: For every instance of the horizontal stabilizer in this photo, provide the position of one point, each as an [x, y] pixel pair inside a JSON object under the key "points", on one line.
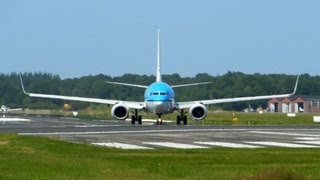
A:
{"points": [[126, 84], [192, 84]]}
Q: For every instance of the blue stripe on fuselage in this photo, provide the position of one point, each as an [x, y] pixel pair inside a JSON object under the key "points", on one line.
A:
{"points": [[151, 100]]}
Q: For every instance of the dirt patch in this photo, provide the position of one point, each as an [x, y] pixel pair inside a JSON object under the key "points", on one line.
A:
{"points": [[3, 142]]}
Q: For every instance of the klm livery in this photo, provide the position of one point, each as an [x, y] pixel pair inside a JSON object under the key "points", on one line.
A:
{"points": [[159, 99]]}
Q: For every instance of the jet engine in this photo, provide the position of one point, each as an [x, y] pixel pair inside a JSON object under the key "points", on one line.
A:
{"points": [[198, 111], [120, 111]]}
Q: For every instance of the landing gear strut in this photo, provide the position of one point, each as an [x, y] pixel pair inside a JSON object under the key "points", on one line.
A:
{"points": [[182, 117], [136, 117], [159, 120]]}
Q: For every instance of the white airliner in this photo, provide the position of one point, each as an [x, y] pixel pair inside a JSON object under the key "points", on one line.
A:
{"points": [[159, 99], [5, 110]]}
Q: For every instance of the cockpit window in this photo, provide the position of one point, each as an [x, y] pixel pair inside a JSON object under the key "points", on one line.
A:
{"points": [[158, 93]]}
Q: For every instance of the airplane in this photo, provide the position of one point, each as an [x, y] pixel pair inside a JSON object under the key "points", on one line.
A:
{"points": [[5, 110], [159, 99]]}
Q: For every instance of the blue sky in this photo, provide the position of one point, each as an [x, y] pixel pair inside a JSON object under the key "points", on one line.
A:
{"points": [[73, 38]]}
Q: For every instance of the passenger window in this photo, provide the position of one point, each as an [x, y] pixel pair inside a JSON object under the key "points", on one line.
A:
{"points": [[163, 93], [155, 93]]}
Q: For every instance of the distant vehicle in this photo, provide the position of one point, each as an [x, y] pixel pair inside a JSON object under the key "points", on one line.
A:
{"points": [[5, 110], [159, 99]]}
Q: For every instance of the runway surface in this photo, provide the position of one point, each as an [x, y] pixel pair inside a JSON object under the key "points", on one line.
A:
{"points": [[121, 134]]}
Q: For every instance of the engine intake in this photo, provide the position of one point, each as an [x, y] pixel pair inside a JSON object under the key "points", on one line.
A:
{"points": [[198, 111], [120, 111]]}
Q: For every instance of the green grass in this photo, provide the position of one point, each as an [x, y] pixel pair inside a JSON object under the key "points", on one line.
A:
{"points": [[25, 157]]}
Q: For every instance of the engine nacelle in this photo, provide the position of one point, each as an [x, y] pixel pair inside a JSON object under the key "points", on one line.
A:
{"points": [[120, 111], [198, 111]]}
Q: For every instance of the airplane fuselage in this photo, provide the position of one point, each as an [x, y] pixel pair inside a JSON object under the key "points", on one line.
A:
{"points": [[159, 98]]}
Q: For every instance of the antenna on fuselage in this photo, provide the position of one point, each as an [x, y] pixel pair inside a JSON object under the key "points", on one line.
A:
{"points": [[159, 79]]}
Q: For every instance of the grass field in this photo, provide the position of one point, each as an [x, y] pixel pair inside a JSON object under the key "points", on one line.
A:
{"points": [[25, 157]]}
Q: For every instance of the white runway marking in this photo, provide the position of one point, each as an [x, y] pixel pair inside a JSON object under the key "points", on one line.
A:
{"points": [[121, 145], [13, 119], [152, 121], [120, 132], [151, 131], [175, 145], [309, 142], [289, 145], [282, 133], [92, 126], [308, 138], [227, 144]]}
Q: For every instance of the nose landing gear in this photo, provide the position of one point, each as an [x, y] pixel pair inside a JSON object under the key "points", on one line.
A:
{"points": [[159, 120]]}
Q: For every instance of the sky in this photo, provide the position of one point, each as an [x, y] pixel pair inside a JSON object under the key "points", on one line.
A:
{"points": [[74, 38]]}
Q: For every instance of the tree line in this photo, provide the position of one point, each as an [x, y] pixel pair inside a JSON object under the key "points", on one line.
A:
{"points": [[231, 84]]}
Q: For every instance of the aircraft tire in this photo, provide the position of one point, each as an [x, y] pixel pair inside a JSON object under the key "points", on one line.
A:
{"points": [[178, 120], [185, 120], [133, 119]]}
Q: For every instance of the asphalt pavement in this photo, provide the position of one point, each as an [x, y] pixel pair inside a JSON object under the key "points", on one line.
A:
{"points": [[122, 134]]}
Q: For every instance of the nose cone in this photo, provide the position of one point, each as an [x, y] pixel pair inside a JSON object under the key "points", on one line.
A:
{"points": [[159, 108]]}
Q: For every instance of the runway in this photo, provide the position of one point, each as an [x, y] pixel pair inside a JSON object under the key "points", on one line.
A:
{"points": [[121, 134]]}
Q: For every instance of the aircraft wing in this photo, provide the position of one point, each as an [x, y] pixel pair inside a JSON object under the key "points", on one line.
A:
{"points": [[185, 105], [129, 104]]}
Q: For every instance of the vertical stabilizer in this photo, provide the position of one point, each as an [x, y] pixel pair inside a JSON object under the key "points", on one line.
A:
{"points": [[159, 79]]}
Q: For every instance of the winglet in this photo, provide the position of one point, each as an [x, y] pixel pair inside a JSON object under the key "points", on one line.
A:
{"points": [[22, 86], [295, 87]]}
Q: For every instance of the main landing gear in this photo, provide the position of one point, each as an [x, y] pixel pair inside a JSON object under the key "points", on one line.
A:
{"points": [[136, 117], [182, 117]]}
